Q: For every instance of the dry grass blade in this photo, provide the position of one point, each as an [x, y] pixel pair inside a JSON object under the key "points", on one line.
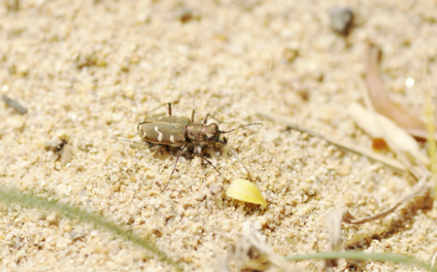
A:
{"points": [[392, 163], [381, 102]]}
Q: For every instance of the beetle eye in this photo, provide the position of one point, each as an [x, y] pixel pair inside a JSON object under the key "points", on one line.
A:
{"points": [[214, 126]]}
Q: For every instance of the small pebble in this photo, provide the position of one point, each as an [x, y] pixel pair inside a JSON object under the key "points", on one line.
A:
{"points": [[342, 20], [14, 104], [67, 153], [55, 145]]}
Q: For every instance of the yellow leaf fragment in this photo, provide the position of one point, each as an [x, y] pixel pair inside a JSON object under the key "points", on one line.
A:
{"points": [[246, 191]]}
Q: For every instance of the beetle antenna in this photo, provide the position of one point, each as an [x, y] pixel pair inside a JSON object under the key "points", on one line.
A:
{"points": [[242, 127], [234, 153]]}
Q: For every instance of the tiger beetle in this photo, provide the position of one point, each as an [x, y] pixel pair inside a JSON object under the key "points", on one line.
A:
{"points": [[182, 132]]}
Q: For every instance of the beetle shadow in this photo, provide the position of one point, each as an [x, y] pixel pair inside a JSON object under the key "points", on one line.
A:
{"points": [[162, 151], [254, 209]]}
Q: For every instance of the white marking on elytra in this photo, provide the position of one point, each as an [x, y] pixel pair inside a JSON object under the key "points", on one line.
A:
{"points": [[160, 117], [172, 139], [144, 134], [159, 134]]}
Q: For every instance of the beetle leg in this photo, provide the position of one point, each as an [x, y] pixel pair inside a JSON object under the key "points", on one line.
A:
{"points": [[174, 167], [192, 116], [210, 115], [166, 104], [210, 163], [169, 108], [198, 150]]}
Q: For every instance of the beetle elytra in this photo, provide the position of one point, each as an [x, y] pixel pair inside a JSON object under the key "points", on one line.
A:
{"points": [[182, 132]]}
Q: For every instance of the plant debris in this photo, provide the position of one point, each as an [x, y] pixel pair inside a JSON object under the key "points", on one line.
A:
{"points": [[380, 127], [351, 147], [252, 253], [382, 103]]}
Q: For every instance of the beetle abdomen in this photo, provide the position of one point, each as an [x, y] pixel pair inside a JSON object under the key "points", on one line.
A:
{"points": [[172, 134]]}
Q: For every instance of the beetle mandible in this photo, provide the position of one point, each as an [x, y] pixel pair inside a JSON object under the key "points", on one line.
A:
{"points": [[181, 132]]}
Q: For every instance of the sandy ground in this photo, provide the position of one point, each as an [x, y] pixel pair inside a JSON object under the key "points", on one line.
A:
{"points": [[89, 71]]}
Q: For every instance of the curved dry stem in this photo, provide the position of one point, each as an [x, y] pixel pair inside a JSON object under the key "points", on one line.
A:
{"points": [[350, 219]]}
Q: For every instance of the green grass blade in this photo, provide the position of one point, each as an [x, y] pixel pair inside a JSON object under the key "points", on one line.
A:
{"points": [[359, 255], [32, 201], [429, 113]]}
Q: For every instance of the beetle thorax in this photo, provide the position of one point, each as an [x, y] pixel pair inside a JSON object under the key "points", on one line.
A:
{"points": [[205, 133]]}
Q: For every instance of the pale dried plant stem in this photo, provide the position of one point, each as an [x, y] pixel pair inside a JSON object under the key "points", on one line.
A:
{"points": [[351, 147], [348, 218]]}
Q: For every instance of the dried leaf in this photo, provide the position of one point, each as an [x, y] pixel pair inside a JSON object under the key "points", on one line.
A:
{"points": [[381, 102], [378, 126]]}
